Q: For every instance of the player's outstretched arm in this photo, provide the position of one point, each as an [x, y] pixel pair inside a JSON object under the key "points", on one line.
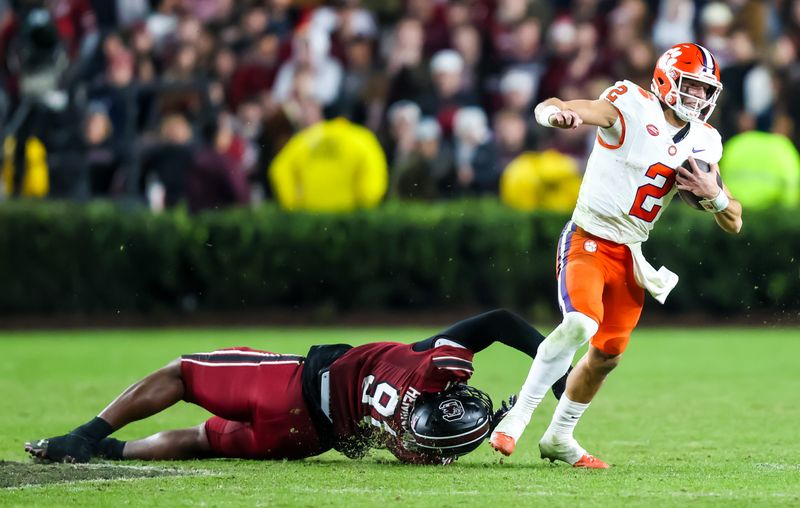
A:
{"points": [[727, 211], [481, 331], [554, 112]]}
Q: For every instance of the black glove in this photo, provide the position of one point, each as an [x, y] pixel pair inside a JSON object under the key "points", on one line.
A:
{"points": [[504, 409]]}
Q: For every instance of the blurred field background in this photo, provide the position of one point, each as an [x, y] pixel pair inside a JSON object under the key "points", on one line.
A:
{"points": [[693, 416]]}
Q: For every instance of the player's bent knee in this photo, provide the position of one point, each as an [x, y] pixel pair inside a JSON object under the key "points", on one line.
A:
{"points": [[578, 328], [501, 316], [574, 331]]}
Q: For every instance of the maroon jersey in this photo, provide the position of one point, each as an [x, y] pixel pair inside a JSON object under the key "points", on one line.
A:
{"points": [[373, 388]]}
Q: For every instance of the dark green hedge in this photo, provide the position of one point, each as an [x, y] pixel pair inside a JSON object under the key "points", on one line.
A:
{"points": [[96, 258]]}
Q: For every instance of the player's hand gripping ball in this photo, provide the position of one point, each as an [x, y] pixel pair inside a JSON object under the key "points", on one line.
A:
{"points": [[689, 198]]}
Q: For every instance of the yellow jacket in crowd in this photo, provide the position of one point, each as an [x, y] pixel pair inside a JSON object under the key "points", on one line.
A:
{"points": [[36, 180], [330, 167], [545, 180]]}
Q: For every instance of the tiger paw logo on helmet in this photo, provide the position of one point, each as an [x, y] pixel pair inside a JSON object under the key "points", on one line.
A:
{"points": [[669, 59]]}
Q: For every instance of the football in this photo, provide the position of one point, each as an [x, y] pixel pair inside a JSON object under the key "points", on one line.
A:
{"points": [[689, 198]]}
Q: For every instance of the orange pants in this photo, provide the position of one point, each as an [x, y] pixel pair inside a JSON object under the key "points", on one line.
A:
{"points": [[595, 278]]}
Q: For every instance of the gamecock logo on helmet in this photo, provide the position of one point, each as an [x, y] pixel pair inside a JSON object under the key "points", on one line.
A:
{"points": [[452, 410]]}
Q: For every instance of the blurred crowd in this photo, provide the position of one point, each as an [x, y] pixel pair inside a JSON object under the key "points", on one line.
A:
{"points": [[342, 104]]}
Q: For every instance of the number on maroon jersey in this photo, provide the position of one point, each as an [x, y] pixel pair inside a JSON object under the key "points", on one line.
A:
{"points": [[382, 397], [647, 190], [616, 92]]}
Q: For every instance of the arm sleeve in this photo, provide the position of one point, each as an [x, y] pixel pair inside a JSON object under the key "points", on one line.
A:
{"points": [[479, 332]]}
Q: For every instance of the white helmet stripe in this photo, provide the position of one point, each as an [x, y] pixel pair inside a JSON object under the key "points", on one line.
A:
{"points": [[708, 58]]}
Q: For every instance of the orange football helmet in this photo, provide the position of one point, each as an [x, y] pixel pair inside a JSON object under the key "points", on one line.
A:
{"points": [[687, 61]]}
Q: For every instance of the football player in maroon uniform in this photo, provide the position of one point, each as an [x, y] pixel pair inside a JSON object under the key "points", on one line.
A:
{"points": [[409, 398]]}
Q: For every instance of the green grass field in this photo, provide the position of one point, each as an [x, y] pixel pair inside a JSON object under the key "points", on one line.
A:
{"points": [[692, 416]]}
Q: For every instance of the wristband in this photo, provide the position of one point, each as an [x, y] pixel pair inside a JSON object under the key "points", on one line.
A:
{"points": [[716, 205], [543, 114]]}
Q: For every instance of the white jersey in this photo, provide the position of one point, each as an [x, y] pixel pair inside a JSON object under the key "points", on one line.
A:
{"points": [[630, 175]]}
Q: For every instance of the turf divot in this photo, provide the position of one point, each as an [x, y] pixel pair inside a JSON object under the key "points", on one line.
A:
{"points": [[22, 474]]}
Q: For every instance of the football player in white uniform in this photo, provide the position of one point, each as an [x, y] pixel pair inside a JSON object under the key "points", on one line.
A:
{"points": [[633, 172]]}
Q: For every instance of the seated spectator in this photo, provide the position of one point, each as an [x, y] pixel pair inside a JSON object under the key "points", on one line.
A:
{"points": [[541, 181], [477, 168], [508, 18], [637, 63], [762, 170], [215, 179], [749, 98], [254, 22], [466, 40], [363, 87], [282, 120], [526, 52], [311, 49], [102, 156], [118, 91], [517, 91], [183, 68], [673, 23], [432, 16], [510, 134], [716, 19], [249, 129], [334, 166], [562, 38], [405, 66], [403, 117], [257, 70], [167, 161], [428, 171], [344, 21], [447, 96]]}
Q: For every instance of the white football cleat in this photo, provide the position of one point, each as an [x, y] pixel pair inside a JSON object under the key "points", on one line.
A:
{"points": [[553, 448]]}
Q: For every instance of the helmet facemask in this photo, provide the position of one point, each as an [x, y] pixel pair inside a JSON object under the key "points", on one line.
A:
{"points": [[696, 108]]}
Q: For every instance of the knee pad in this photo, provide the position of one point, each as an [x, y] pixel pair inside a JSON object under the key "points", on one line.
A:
{"points": [[578, 328], [574, 331]]}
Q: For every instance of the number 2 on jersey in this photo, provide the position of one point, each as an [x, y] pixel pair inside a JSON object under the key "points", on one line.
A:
{"points": [[651, 190], [616, 92]]}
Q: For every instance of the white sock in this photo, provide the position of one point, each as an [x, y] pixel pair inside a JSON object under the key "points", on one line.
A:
{"points": [[552, 361], [565, 418], [540, 378]]}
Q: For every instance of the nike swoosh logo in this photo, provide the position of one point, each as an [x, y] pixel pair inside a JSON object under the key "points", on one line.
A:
{"points": [[695, 150]]}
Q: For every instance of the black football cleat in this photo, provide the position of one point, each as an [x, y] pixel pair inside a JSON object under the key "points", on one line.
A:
{"points": [[72, 448]]}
